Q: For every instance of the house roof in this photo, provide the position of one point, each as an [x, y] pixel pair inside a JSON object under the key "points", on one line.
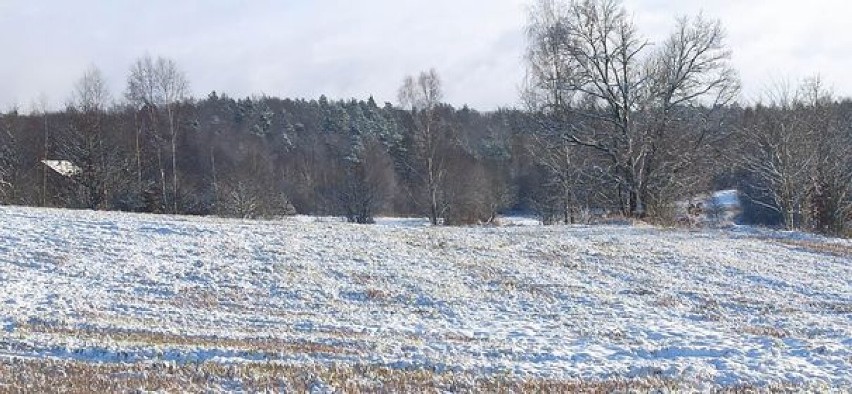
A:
{"points": [[62, 167]]}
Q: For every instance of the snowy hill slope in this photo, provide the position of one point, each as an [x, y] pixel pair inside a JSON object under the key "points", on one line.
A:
{"points": [[707, 308]]}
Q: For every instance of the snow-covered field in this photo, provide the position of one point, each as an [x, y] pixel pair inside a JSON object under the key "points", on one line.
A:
{"points": [[594, 304]]}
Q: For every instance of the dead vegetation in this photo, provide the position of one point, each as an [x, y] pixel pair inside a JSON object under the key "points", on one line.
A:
{"points": [[148, 338], [833, 249], [765, 331], [838, 307], [47, 376], [54, 376], [668, 301], [709, 309]]}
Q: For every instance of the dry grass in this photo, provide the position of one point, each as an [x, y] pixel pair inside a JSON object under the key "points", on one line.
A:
{"points": [[374, 294], [668, 301], [54, 376], [261, 345], [839, 307], [765, 331], [773, 389], [834, 249], [45, 376], [196, 298], [709, 309], [565, 257]]}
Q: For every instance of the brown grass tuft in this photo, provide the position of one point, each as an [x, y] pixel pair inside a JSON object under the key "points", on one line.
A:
{"points": [[765, 331], [833, 249], [147, 338]]}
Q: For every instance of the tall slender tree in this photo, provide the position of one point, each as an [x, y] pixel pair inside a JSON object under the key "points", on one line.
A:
{"points": [[154, 86], [422, 96]]}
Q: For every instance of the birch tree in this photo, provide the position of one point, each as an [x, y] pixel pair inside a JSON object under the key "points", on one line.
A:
{"points": [[422, 96], [156, 86]]}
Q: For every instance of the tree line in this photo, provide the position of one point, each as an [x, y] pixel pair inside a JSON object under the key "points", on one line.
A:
{"points": [[611, 124]]}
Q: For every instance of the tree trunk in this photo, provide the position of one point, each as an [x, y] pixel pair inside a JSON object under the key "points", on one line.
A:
{"points": [[139, 158], [162, 176], [44, 168], [173, 133], [433, 192], [637, 205], [639, 210], [215, 182]]}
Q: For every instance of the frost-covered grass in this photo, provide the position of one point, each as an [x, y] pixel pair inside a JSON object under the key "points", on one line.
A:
{"points": [[135, 301]]}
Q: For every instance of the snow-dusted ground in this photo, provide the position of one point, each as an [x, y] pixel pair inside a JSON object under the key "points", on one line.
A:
{"points": [[606, 302]]}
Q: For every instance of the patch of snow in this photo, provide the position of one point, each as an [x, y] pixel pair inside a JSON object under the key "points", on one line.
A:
{"points": [[518, 221], [727, 198]]}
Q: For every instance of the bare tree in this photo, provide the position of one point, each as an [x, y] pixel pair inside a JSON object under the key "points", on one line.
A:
{"points": [[159, 86], [423, 95], [91, 93], [87, 143], [567, 173], [796, 146], [612, 93], [777, 147], [831, 182]]}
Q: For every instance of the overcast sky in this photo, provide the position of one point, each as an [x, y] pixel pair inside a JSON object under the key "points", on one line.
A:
{"points": [[348, 48]]}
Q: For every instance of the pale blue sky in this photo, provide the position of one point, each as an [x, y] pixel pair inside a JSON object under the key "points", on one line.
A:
{"points": [[345, 48]]}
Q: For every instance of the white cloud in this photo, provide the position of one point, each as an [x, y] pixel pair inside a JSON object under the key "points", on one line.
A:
{"points": [[345, 48], [770, 39]]}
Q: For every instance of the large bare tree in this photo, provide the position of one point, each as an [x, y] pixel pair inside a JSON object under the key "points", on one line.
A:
{"points": [[604, 87]]}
